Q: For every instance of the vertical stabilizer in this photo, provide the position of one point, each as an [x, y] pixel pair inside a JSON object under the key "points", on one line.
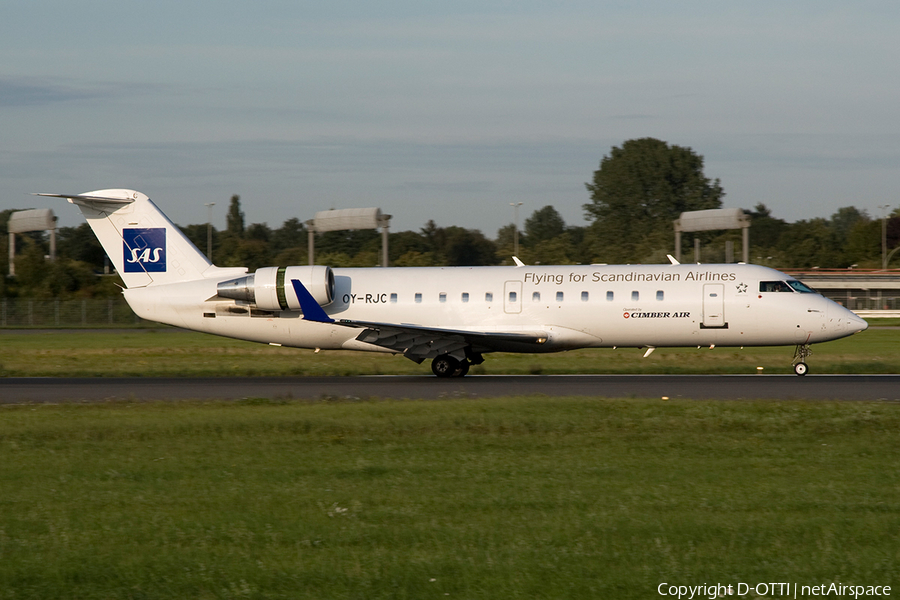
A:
{"points": [[145, 247]]}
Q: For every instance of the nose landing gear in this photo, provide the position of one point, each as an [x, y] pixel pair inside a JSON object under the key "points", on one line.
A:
{"points": [[800, 355]]}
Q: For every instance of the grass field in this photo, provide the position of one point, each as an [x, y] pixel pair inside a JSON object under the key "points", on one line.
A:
{"points": [[168, 352], [505, 498]]}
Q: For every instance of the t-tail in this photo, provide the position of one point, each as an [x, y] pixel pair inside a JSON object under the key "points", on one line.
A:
{"points": [[145, 247]]}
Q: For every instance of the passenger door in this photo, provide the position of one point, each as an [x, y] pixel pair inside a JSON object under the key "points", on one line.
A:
{"points": [[714, 306]]}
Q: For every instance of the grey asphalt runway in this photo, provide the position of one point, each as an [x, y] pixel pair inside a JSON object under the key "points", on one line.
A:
{"points": [[724, 387]]}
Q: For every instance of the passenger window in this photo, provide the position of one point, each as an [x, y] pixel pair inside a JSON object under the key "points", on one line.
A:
{"points": [[512, 296], [443, 297], [536, 297], [488, 297], [635, 296], [610, 296], [393, 298], [465, 296], [584, 296], [660, 295], [418, 297], [559, 296]]}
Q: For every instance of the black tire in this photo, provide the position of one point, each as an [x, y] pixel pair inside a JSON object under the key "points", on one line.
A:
{"points": [[462, 369], [801, 368], [444, 366]]}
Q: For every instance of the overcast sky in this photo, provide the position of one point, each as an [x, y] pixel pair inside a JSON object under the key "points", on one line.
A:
{"points": [[443, 110]]}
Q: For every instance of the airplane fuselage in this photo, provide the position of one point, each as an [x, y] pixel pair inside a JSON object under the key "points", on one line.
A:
{"points": [[578, 306], [454, 315]]}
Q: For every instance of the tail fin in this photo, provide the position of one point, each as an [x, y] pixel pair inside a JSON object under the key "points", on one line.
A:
{"points": [[145, 247]]}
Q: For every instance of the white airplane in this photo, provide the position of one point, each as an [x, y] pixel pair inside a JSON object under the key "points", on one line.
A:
{"points": [[455, 315]]}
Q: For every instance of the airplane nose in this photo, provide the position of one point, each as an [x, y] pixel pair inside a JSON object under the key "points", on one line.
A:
{"points": [[857, 324], [844, 321], [853, 322]]}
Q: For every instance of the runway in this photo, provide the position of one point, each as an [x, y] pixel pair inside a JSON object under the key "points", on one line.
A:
{"points": [[700, 387]]}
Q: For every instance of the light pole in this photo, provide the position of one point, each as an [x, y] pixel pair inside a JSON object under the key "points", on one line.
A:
{"points": [[884, 208], [515, 206], [209, 206]]}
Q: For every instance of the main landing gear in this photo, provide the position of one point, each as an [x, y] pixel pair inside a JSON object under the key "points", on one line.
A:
{"points": [[447, 366], [800, 355]]}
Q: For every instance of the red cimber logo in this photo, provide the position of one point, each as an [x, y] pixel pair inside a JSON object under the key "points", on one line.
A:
{"points": [[625, 315]]}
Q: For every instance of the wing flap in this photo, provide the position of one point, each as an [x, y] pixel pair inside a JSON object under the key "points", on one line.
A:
{"points": [[418, 342]]}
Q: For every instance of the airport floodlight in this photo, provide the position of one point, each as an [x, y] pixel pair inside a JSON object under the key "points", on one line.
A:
{"points": [[711, 220], [346, 219], [38, 219], [23, 221]]}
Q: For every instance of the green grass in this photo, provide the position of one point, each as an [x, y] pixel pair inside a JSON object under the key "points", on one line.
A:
{"points": [[169, 352], [504, 498]]}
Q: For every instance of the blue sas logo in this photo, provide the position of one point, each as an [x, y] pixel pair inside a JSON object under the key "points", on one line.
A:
{"points": [[144, 250]]}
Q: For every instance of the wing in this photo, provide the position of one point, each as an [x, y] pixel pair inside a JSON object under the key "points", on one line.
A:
{"points": [[419, 343]]}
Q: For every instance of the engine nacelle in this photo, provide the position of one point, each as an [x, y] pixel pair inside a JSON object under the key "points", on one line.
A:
{"points": [[270, 288]]}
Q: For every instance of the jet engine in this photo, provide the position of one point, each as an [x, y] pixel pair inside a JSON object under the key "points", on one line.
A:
{"points": [[267, 290]]}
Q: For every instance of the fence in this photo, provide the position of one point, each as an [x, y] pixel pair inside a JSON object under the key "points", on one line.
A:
{"points": [[868, 300], [23, 312]]}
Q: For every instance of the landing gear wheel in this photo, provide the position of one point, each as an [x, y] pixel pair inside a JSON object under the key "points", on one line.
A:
{"points": [[800, 355], [462, 370], [445, 366]]}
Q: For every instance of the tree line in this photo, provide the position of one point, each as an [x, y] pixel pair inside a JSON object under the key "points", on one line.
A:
{"points": [[633, 197]]}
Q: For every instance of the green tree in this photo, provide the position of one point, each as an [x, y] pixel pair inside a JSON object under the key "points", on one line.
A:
{"points": [[863, 246], [457, 246], [411, 243], [765, 230], [845, 219], [543, 225], [234, 220], [638, 191], [811, 243], [506, 244], [232, 252], [291, 235], [198, 235]]}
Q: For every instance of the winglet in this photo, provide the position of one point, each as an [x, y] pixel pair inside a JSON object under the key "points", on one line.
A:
{"points": [[673, 260], [518, 262], [311, 309]]}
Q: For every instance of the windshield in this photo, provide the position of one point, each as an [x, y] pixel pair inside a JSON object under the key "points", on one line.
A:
{"points": [[791, 285], [800, 287], [774, 286]]}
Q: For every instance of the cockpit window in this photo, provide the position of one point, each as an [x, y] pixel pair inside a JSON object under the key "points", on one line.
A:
{"points": [[791, 285], [800, 287], [774, 286]]}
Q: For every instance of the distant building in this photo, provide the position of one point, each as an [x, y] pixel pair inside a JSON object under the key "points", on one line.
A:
{"points": [[864, 291]]}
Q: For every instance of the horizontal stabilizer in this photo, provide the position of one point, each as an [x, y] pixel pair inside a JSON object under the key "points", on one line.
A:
{"points": [[89, 199]]}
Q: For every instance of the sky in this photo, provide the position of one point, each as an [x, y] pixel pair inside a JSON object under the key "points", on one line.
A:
{"points": [[443, 111]]}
